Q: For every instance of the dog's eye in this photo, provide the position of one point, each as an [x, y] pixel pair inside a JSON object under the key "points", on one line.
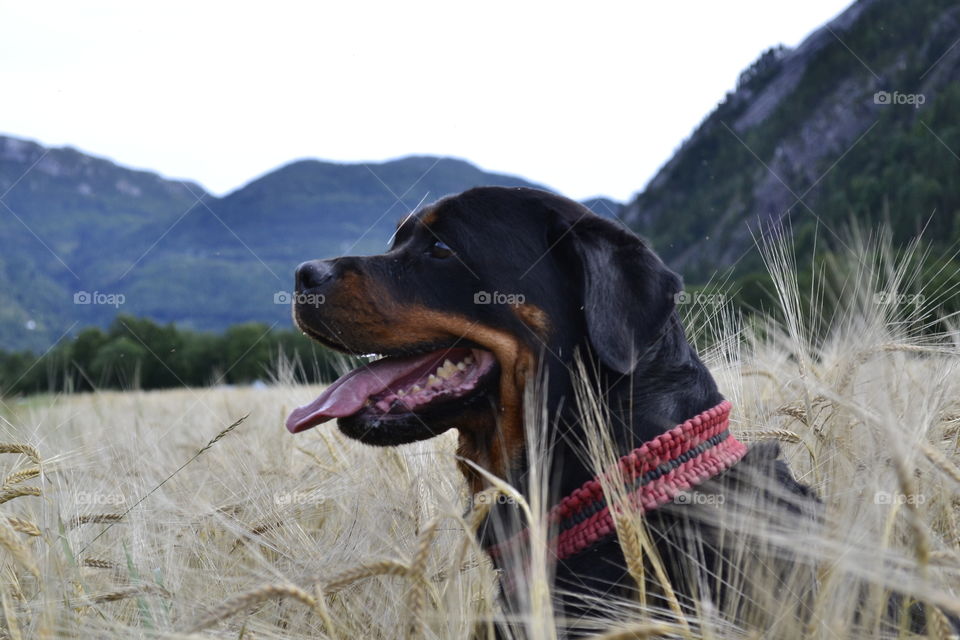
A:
{"points": [[439, 249]]}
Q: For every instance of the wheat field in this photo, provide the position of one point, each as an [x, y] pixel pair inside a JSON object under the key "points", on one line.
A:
{"points": [[193, 513]]}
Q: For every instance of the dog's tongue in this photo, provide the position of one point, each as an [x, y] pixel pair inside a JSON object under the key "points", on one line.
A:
{"points": [[350, 392]]}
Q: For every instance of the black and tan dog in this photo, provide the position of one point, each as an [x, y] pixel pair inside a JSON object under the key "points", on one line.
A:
{"points": [[482, 291]]}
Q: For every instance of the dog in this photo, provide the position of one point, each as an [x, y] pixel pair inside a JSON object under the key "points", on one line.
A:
{"points": [[480, 293]]}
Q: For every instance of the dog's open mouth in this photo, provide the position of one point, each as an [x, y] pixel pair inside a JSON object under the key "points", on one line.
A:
{"points": [[398, 387]]}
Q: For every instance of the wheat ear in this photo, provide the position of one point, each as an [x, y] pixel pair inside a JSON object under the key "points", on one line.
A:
{"points": [[24, 526], [19, 476], [246, 600], [20, 553], [25, 449], [17, 492], [418, 572]]}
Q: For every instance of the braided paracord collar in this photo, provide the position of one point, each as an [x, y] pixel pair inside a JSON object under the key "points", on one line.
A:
{"points": [[654, 473]]}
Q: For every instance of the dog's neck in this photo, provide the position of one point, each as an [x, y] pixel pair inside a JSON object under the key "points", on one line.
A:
{"points": [[669, 385]]}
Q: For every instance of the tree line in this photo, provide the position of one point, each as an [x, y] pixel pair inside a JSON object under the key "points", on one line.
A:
{"points": [[138, 353]]}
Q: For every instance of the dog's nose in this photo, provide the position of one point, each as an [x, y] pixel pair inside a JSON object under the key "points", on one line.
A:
{"points": [[313, 274]]}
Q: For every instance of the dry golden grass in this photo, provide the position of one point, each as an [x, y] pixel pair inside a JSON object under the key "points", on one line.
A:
{"points": [[268, 535], [375, 533]]}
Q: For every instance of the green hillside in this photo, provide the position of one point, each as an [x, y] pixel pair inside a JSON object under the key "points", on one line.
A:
{"points": [[167, 250], [806, 140]]}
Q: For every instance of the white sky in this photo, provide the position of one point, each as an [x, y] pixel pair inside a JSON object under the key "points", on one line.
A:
{"points": [[585, 98]]}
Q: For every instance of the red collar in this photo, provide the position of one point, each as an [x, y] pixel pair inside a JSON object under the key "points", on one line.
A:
{"points": [[655, 473]]}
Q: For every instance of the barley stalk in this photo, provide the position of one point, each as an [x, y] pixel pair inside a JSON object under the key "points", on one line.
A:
{"points": [[380, 568], [20, 553], [940, 461], [466, 565], [255, 533], [25, 449], [20, 476], [921, 542], [794, 411], [322, 611], [326, 437], [784, 435], [219, 436], [632, 551], [945, 557], [759, 372], [13, 582], [128, 592], [24, 526], [939, 625], [860, 358], [418, 566], [482, 503], [95, 518], [10, 616], [246, 600], [316, 458], [640, 631], [17, 492], [96, 563], [649, 551]]}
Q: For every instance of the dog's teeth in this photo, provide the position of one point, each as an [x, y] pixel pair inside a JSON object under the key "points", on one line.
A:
{"points": [[433, 381], [461, 366], [401, 393], [415, 388], [468, 360], [447, 370]]}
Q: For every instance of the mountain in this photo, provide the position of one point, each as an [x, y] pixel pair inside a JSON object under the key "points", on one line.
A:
{"points": [[65, 220], [118, 239], [857, 122]]}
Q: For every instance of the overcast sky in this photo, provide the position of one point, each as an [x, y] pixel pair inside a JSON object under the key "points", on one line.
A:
{"points": [[585, 98]]}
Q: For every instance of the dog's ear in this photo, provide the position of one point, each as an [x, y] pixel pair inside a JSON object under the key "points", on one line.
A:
{"points": [[628, 293]]}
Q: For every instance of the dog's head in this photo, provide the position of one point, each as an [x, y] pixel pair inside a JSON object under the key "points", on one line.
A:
{"points": [[475, 293]]}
